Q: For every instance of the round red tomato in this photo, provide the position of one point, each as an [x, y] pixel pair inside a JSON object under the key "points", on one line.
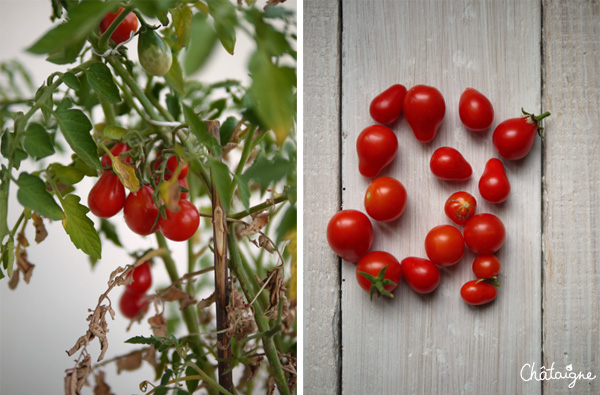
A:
{"points": [[424, 110], [125, 28], [140, 211], [493, 184], [387, 106], [484, 234], [350, 234], [107, 197], [475, 110], [376, 147], [486, 266], [116, 150], [460, 207], [182, 225], [444, 245], [142, 278], [385, 199], [477, 292], [420, 274], [514, 137], [448, 164], [132, 305], [379, 273]]}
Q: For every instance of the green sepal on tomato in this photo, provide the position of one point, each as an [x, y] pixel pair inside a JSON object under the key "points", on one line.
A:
{"points": [[154, 53], [378, 273]]}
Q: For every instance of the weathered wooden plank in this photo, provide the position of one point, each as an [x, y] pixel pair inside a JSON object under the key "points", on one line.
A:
{"points": [[571, 227], [437, 343], [321, 196]]}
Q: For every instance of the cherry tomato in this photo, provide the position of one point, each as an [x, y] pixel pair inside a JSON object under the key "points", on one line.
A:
{"points": [[142, 278], [350, 234], [140, 211], [486, 266], [132, 305], [420, 274], [493, 184], [475, 110], [514, 137], [477, 293], [444, 245], [387, 106], [371, 276], [424, 110], [460, 207], [484, 234], [448, 164], [123, 31], [385, 199], [154, 53], [376, 147], [116, 150], [182, 225], [107, 197]]}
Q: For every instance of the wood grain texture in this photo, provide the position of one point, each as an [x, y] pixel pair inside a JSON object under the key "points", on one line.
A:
{"points": [[321, 196], [571, 192]]}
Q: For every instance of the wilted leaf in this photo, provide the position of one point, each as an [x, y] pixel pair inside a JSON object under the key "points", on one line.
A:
{"points": [[101, 388], [259, 221], [32, 193], [169, 192], [40, 229], [130, 362], [292, 236], [204, 303], [126, 173], [158, 324], [80, 228], [24, 265]]}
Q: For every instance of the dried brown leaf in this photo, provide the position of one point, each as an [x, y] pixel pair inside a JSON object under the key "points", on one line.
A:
{"points": [[22, 240], [170, 191], [171, 294], [14, 280], [101, 388], [40, 229], [149, 355], [259, 221], [270, 385], [241, 318], [24, 265], [158, 324], [250, 371], [130, 362], [277, 295], [204, 303]]}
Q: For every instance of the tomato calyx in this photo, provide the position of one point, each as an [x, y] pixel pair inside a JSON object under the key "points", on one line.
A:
{"points": [[537, 119], [378, 283], [492, 280]]}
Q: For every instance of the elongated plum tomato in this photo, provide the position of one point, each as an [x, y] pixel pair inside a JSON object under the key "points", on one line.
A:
{"points": [[350, 234], [182, 225], [140, 212], [493, 184], [424, 110], [376, 147], [486, 266], [478, 293], [386, 107], [460, 207], [420, 274], [448, 164], [514, 137], [484, 234], [444, 245], [372, 265], [385, 199], [142, 278], [107, 197], [116, 150], [475, 110], [154, 53], [123, 31], [132, 305]]}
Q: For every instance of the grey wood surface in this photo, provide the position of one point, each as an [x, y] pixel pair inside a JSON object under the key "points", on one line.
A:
{"points": [[436, 343]]}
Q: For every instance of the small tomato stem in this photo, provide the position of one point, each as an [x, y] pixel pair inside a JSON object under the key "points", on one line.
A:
{"points": [[103, 41]]}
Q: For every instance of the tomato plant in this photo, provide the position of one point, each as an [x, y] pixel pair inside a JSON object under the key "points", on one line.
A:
{"points": [[420, 274], [447, 163], [378, 273], [386, 107], [484, 234], [493, 184], [350, 234], [180, 225], [107, 197], [460, 207], [142, 279], [385, 199], [514, 137], [475, 110], [124, 29], [444, 245], [376, 147], [486, 266], [424, 110], [477, 292]]}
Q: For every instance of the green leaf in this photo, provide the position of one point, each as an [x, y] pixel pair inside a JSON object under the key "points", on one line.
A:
{"points": [[155, 8], [274, 41], [173, 105], [288, 222], [191, 385], [222, 180], [83, 19], [217, 107], [32, 193], [37, 141], [174, 77], [182, 22], [71, 80], [100, 78], [114, 132], [76, 127], [268, 171], [80, 228], [110, 231], [68, 175], [244, 191], [225, 22], [227, 129], [66, 55], [202, 44], [200, 131], [8, 256]]}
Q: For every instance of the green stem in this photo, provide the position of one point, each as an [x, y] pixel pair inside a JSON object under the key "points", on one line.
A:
{"points": [[109, 110], [258, 207], [163, 111], [131, 101]]}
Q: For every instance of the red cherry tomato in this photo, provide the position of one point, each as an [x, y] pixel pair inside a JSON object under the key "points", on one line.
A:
{"points": [[140, 212], [424, 110], [387, 106], [116, 150], [142, 278], [484, 234], [460, 207], [123, 31], [514, 137], [420, 274], [171, 166], [493, 184], [486, 266], [477, 293], [370, 275], [107, 197], [350, 234], [376, 147], [444, 245], [448, 164], [385, 199], [475, 110], [132, 305], [182, 225]]}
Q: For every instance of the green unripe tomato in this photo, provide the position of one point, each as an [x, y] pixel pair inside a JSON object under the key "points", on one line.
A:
{"points": [[154, 53]]}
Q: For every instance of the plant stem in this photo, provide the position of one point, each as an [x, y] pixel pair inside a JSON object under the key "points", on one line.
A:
{"points": [[103, 41], [109, 110], [278, 199]]}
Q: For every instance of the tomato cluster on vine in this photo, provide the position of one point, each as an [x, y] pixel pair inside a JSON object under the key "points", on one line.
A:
{"points": [[350, 232]]}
